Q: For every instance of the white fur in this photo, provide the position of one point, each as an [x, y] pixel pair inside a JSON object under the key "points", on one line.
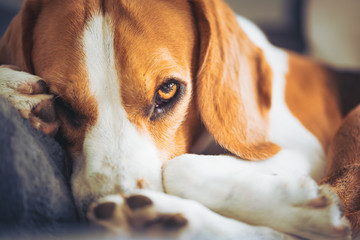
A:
{"points": [[249, 192], [285, 129], [111, 162], [275, 192], [10, 80], [202, 222], [115, 154]]}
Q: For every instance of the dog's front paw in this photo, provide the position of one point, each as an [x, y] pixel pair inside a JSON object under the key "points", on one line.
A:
{"points": [[155, 214], [135, 215], [313, 212], [29, 95]]}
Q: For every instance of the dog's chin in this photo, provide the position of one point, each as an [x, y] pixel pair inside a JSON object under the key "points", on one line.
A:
{"points": [[91, 182]]}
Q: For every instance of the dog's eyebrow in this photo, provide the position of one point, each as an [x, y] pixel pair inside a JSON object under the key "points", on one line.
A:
{"points": [[162, 57]]}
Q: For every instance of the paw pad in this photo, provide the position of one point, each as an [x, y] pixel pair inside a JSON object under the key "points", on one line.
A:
{"points": [[136, 215], [104, 211], [45, 110], [138, 201], [320, 202], [173, 222]]}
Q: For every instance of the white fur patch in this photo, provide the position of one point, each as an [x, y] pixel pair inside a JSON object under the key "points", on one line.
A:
{"points": [[250, 192], [285, 129], [115, 155], [10, 80], [202, 223], [276, 192]]}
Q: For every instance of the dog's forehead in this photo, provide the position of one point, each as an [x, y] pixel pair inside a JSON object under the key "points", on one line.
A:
{"points": [[153, 41], [158, 34], [83, 51]]}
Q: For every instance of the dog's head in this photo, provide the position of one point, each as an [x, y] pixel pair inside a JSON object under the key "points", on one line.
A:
{"points": [[137, 81]]}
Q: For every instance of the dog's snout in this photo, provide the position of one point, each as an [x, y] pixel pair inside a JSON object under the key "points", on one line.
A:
{"points": [[115, 167]]}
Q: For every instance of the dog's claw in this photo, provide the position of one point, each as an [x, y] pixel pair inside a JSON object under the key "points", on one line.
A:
{"points": [[29, 95], [39, 87]]}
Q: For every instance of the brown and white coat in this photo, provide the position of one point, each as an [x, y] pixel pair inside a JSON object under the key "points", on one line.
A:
{"points": [[105, 61]]}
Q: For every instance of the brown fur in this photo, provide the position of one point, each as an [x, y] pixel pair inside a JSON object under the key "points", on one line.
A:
{"points": [[16, 44], [228, 81], [343, 170], [239, 103], [233, 85], [311, 96], [149, 55]]}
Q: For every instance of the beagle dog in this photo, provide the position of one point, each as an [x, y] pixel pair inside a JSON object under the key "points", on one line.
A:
{"points": [[137, 92]]}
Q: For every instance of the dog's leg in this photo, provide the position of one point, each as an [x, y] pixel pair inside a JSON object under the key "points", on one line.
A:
{"points": [[254, 193], [29, 95], [343, 170], [156, 214]]}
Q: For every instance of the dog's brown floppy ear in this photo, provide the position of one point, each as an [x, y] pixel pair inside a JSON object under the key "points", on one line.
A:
{"points": [[233, 84], [16, 44]]}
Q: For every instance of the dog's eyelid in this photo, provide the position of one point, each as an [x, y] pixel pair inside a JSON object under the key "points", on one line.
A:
{"points": [[173, 78]]}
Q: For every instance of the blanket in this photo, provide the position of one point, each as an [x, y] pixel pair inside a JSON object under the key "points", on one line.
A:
{"points": [[35, 192]]}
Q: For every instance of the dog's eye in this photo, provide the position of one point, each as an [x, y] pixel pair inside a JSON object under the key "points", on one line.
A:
{"points": [[165, 93], [165, 97]]}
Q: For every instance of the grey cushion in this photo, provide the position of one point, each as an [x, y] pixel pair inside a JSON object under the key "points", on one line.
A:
{"points": [[34, 177]]}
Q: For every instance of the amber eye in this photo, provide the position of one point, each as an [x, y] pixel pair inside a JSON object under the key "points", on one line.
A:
{"points": [[165, 93], [166, 97]]}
